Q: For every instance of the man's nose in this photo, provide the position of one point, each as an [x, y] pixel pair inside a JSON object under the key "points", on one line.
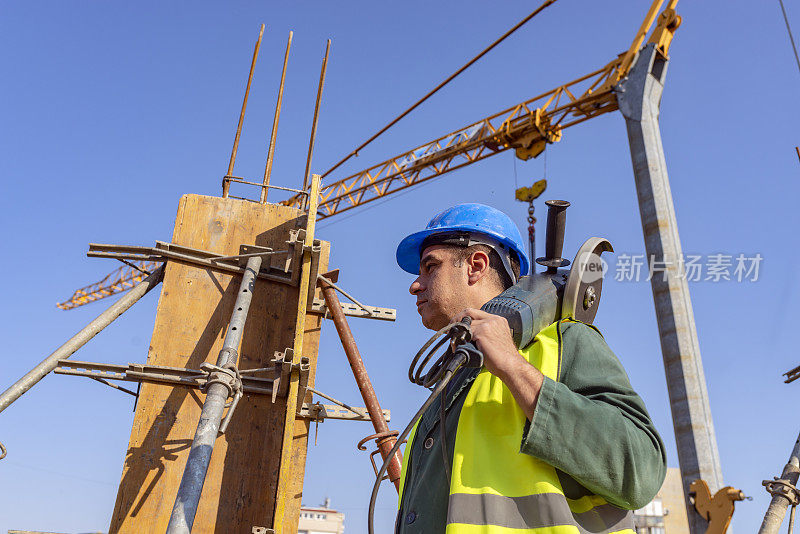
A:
{"points": [[416, 287]]}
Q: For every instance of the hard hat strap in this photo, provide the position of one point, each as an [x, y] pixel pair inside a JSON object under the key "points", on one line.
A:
{"points": [[468, 239]]}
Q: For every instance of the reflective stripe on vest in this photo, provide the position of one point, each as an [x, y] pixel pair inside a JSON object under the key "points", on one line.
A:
{"points": [[495, 488]]}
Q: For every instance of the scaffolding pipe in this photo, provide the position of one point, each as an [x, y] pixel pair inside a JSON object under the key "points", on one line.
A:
{"points": [[81, 338], [194, 474], [777, 507], [386, 444]]}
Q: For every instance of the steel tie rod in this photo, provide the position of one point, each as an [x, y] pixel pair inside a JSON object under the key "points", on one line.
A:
{"points": [[194, 474], [80, 339]]}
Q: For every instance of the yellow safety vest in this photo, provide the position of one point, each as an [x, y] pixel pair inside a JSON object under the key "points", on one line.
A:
{"points": [[495, 488]]}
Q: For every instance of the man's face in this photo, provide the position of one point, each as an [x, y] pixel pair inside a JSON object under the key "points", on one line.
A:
{"points": [[440, 287]]}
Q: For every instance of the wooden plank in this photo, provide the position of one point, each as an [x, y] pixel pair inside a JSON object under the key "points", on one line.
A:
{"points": [[193, 313], [290, 449]]}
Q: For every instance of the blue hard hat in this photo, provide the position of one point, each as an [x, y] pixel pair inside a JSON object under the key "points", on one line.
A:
{"points": [[482, 223]]}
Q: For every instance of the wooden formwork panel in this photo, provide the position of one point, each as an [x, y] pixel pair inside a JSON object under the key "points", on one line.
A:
{"points": [[193, 313]]}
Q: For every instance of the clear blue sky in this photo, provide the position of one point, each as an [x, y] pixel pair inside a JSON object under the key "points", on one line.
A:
{"points": [[111, 111]]}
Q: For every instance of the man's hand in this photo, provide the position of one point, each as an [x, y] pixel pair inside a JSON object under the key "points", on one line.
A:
{"points": [[492, 335]]}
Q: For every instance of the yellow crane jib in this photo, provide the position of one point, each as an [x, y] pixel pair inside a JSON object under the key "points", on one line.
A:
{"points": [[717, 510]]}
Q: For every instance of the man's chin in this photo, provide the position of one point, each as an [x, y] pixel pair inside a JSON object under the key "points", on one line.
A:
{"points": [[432, 323]]}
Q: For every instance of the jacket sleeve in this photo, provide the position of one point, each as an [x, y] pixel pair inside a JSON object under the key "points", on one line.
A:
{"points": [[592, 425]]}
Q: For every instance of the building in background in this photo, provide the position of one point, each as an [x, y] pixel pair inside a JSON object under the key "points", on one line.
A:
{"points": [[666, 513], [321, 520]]}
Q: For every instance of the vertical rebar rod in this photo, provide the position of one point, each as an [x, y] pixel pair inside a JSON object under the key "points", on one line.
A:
{"points": [[81, 338], [362, 378], [194, 474], [777, 507], [275, 120], [314, 123], [226, 185]]}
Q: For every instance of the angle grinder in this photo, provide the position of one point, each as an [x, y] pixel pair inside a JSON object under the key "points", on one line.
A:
{"points": [[542, 298]]}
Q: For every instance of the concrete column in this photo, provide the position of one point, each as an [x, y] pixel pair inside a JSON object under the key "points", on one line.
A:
{"points": [[639, 97]]}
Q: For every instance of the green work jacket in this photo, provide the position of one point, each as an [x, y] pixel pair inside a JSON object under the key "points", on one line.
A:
{"points": [[590, 425]]}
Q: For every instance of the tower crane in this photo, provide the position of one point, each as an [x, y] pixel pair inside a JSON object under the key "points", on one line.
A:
{"points": [[527, 128], [631, 83]]}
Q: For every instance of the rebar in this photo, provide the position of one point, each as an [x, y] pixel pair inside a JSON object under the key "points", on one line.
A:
{"points": [[322, 72], [226, 185], [194, 474], [275, 120], [80, 339]]}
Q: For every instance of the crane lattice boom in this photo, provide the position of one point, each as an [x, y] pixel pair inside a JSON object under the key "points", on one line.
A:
{"points": [[527, 128]]}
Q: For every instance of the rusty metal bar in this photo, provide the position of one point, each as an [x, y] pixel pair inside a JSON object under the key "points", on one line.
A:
{"points": [[243, 181], [80, 339], [275, 120], [323, 70], [226, 185], [362, 378]]}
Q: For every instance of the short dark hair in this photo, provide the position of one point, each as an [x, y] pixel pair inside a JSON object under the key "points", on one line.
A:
{"points": [[495, 263]]}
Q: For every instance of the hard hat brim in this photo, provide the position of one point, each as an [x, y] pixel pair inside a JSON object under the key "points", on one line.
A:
{"points": [[409, 251]]}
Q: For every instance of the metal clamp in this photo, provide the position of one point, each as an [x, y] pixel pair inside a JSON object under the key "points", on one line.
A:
{"points": [[380, 438], [784, 488], [229, 376], [297, 244], [283, 364]]}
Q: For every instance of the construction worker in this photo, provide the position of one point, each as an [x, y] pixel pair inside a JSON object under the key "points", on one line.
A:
{"points": [[549, 439]]}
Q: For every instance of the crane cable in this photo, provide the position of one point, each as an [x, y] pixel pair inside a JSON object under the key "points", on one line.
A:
{"points": [[791, 38], [450, 78]]}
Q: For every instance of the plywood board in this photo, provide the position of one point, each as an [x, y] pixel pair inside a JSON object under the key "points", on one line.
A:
{"points": [[191, 321]]}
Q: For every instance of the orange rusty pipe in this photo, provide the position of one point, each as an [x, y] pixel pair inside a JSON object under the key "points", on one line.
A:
{"points": [[362, 379]]}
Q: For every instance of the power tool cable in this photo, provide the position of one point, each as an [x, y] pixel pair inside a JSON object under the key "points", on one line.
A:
{"points": [[460, 353]]}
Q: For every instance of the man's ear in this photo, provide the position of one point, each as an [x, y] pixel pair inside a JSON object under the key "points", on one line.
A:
{"points": [[477, 266]]}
